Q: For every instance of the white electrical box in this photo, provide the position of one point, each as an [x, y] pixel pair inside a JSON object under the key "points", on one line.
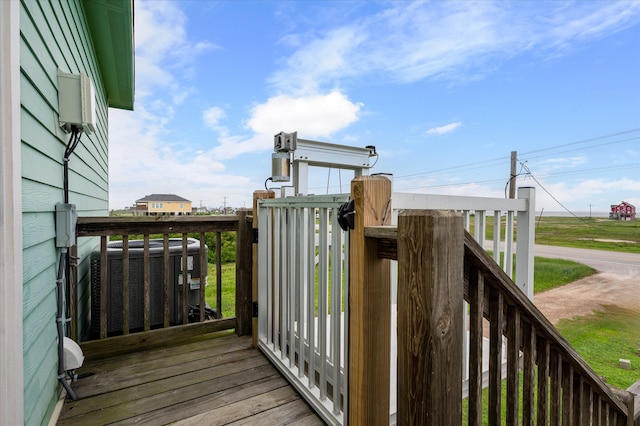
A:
{"points": [[77, 102]]}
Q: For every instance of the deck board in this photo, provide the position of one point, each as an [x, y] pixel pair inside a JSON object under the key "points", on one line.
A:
{"points": [[208, 381]]}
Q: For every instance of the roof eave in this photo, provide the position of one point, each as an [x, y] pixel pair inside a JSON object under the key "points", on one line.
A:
{"points": [[111, 27]]}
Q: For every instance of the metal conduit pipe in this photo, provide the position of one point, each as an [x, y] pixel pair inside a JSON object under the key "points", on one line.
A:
{"points": [[60, 320]]}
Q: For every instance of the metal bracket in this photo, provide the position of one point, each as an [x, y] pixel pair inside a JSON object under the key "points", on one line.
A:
{"points": [[346, 215], [255, 309], [254, 235]]}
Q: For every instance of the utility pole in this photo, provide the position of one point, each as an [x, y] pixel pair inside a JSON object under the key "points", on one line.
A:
{"points": [[224, 208], [590, 210], [512, 176]]}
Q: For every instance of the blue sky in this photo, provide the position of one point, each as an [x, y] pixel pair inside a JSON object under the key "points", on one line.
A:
{"points": [[444, 90]]}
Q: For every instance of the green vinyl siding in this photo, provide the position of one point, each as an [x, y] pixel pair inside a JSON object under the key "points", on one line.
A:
{"points": [[54, 35]]}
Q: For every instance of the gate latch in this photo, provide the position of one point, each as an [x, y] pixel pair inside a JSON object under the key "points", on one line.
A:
{"points": [[346, 215]]}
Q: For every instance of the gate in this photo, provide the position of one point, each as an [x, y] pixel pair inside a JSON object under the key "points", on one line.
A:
{"points": [[302, 297]]}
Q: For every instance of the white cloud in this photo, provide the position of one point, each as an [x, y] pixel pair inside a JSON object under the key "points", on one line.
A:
{"points": [[212, 117], [444, 129], [321, 61], [314, 116], [408, 42], [562, 163]]}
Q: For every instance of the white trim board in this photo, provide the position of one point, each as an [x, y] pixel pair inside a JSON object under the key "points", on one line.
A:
{"points": [[11, 356]]}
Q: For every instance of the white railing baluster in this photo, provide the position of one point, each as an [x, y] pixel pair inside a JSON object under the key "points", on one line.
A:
{"points": [[497, 231], [508, 242], [336, 308], [264, 270], [301, 265], [276, 279], [311, 308], [291, 283], [284, 277], [323, 268], [344, 327]]}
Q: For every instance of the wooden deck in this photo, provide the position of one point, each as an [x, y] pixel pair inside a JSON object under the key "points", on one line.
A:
{"points": [[215, 379]]}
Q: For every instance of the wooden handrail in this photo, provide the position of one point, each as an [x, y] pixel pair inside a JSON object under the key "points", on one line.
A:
{"points": [[110, 226], [566, 386]]}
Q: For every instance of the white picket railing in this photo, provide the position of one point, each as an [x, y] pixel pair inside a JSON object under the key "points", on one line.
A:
{"points": [[303, 274], [518, 213], [302, 297]]}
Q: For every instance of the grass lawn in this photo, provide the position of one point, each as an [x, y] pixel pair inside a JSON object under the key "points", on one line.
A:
{"points": [[228, 289], [588, 233], [604, 337], [550, 273]]}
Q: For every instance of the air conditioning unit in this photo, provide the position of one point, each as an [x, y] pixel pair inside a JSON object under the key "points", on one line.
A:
{"points": [[136, 283]]}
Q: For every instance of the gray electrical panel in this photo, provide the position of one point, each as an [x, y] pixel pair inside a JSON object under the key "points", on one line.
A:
{"points": [[66, 219]]}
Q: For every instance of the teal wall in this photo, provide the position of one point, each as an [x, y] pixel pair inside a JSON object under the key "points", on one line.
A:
{"points": [[54, 34]]}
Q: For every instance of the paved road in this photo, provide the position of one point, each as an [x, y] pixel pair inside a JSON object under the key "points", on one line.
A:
{"points": [[603, 261]]}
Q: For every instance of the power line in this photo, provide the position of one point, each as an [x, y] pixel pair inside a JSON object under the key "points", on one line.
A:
{"points": [[624, 132], [529, 173], [584, 148], [463, 166], [498, 160]]}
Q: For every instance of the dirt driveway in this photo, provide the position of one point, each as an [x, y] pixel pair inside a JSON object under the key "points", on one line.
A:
{"points": [[584, 296]]}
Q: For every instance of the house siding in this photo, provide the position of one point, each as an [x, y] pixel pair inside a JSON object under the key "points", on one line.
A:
{"points": [[53, 35]]}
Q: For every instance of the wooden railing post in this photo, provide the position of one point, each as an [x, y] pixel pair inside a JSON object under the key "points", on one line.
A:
{"points": [[257, 195], [369, 306], [244, 268], [430, 296]]}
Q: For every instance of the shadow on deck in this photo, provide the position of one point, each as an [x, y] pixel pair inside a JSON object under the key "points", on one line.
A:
{"points": [[214, 379]]}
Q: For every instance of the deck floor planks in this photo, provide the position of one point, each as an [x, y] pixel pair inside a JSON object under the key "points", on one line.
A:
{"points": [[221, 379], [114, 380]]}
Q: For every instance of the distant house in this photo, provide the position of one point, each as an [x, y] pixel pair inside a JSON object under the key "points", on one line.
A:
{"points": [[162, 204], [623, 211]]}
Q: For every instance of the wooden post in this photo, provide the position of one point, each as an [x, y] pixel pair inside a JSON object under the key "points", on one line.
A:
{"points": [[369, 306], [430, 296], [244, 268], [257, 195]]}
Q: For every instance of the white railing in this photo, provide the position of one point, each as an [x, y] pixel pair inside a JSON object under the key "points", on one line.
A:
{"points": [[518, 213], [519, 210], [303, 271], [302, 297]]}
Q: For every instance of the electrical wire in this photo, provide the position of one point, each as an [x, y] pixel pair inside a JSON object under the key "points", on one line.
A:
{"points": [[583, 148], [623, 132], [506, 185], [74, 140], [376, 162], [497, 160], [529, 173]]}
